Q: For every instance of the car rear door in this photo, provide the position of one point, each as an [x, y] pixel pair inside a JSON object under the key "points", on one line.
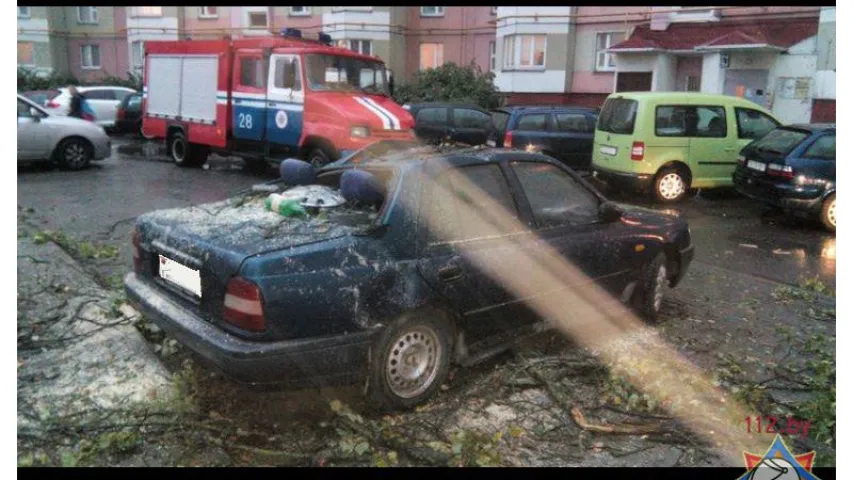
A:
{"points": [[713, 144], [432, 124], [103, 102], [573, 139], [459, 241], [532, 130], [469, 126]]}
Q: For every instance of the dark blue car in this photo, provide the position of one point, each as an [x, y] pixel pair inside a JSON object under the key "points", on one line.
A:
{"points": [[398, 281], [792, 168]]}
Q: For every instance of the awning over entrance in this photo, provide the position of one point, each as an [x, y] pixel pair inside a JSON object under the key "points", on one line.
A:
{"points": [[683, 37]]}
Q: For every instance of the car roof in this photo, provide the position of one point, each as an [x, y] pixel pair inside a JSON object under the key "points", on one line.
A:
{"points": [[689, 96], [447, 104], [813, 127], [543, 108], [457, 155]]}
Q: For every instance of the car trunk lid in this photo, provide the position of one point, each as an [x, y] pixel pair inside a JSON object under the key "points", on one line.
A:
{"points": [[614, 135]]}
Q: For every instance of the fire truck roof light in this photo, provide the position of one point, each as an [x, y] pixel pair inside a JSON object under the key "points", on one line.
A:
{"points": [[296, 33]]}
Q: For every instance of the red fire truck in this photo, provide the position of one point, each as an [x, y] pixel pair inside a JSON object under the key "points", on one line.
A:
{"points": [[266, 99]]}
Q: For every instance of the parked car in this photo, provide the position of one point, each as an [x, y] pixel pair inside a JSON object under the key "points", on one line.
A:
{"points": [[41, 97], [129, 115], [103, 99], [670, 142], [792, 168], [562, 132], [379, 148], [367, 287], [456, 122], [71, 142]]}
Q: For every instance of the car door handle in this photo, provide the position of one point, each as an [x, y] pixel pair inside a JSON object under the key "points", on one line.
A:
{"points": [[450, 272]]}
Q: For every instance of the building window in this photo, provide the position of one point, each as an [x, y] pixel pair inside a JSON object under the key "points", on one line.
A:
{"points": [[90, 56], [300, 11], [137, 50], [524, 52], [604, 61], [432, 55], [148, 11], [258, 19], [692, 83], [432, 11], [352, 9], [364, 47], [25, 53], [208, 12], [87, 14], [23, 12], [492, 56]]}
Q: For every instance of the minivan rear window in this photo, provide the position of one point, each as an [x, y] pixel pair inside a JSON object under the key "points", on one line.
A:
{"points": [[618, 116], [779, 142]]}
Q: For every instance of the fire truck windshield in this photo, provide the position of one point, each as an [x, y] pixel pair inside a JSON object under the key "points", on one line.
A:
{"points": [[333, 73]]}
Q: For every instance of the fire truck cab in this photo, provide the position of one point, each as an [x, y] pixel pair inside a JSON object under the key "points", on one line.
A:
{"points": [[266, 99]]}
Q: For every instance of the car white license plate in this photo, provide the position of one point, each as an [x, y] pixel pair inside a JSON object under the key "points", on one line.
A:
{"points": [[608, 150], [180, 275], [490, 143], [756, 165]]}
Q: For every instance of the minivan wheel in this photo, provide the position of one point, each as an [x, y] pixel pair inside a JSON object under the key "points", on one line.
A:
{"points": [[410, 362], [670, 185], [653, 282], [827, 213]]}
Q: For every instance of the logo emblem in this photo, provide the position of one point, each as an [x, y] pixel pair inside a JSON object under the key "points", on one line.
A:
{"points": [[778, 463], [281, 119]]}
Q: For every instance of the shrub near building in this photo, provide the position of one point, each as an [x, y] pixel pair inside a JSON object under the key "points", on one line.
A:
{"points": [[450, 83]]}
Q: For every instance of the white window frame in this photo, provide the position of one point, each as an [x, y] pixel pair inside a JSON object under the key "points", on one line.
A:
{"points": [[493, 56], [349, 43], [92, 66], [144, 13], [305, 12], [133, 49], [203, 12], [512, 52], [352, 9], [93, 15], [439, 60], [32, 55], [438, 12], [598, 52], [255, 12], [24, 12]]}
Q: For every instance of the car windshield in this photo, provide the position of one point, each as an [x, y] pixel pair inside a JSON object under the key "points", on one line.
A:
{"points": [[337, 73], [618, 116], [780, 141]]}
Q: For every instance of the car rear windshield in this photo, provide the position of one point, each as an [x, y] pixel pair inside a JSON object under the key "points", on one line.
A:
{"points": [[500, 119], [780, 141], [618, 116]]}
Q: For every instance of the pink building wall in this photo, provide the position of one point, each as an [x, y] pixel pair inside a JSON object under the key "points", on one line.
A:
{"points": [[465, 33], [114, 61]]}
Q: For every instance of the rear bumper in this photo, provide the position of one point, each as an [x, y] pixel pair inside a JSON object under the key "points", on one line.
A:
{"points": [[787, 196], [314, 362], [637, 182], [102, 149]]}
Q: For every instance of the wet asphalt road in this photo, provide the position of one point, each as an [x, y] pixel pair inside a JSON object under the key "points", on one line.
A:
{"points": [[99, 204]]}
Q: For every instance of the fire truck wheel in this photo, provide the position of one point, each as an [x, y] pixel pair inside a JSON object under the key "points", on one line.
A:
{"points": [[182, 154], [318, 157]]}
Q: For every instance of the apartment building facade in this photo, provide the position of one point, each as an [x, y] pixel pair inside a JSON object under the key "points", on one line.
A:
{"points": [[781, 57]]}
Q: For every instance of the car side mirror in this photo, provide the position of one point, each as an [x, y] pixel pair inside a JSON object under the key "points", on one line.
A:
{"points": [[609, 212]]}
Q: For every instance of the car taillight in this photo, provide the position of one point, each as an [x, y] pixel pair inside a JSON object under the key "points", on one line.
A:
{"points": [[638, 149], [52, 104], [136, 241], [776, 170], [244, 306], [508, 139]]}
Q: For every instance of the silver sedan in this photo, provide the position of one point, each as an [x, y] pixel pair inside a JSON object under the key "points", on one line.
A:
{"points": [[71, 142]]}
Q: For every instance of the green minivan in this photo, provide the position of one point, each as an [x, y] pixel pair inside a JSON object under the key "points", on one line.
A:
{"points": [[670, 142]]}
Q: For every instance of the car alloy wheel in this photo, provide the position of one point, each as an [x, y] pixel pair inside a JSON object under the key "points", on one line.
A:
{"points": [[671, 186], [830, 213], [660, 283], [74, 154], [413, 362]]}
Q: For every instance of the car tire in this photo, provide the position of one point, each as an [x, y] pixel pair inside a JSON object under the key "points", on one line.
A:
{"points": [[671, 185], [74, 154], [318, 157], [410, 362], [827, 213], [652, 283], [183, 154]]}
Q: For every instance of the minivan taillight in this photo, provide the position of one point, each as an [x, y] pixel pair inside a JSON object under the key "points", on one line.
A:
{"points": [[638, 149], [136, 241], [776, 170], [508, 139], [244, 305]]}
